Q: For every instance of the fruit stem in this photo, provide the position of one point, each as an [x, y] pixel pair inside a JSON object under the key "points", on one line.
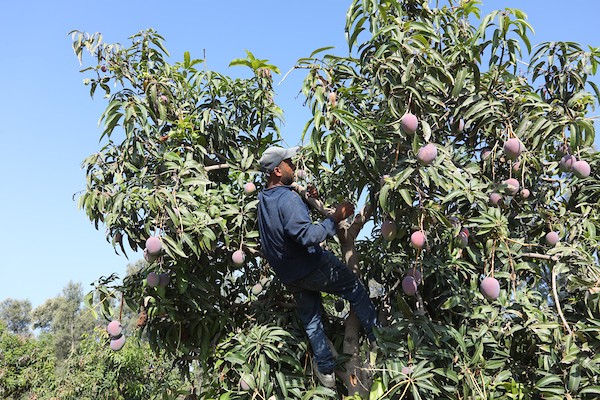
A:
{"points": [[420, 304], [492, 165], [523, 173], [510, 131]]}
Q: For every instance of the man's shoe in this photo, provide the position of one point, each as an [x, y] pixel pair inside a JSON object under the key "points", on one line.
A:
{"points": [[327, 380]]}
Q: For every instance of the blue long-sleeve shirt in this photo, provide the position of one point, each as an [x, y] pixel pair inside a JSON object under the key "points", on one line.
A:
{"points": [[289, 239]]}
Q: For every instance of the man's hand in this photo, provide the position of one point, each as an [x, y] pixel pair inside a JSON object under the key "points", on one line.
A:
{"points": [[311, 191], [343, 210]]}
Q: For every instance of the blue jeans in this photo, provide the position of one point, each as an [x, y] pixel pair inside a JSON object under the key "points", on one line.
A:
{"points": [[330, 276]]}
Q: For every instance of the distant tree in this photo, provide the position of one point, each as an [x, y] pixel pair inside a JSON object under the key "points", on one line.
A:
{"points": [[135, 267], [16, 315], [29, 370], [93, 371], [43, 315], [65, 318], [26, 365]]}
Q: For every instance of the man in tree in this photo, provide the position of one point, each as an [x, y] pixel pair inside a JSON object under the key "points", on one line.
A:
{"points": [[290, 241]]}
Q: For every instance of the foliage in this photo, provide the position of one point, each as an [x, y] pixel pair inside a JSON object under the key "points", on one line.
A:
{"points": [[26, 364], [255, 356], [539, 339], [30, 369], [189, 141], [179, 142], [16, 315], [134, 372], [66, 318]]}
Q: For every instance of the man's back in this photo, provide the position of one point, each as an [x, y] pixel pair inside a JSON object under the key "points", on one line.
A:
{"points": [[289, 239]]}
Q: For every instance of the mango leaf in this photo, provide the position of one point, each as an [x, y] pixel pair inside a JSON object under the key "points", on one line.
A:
{"points": [[377, 389]]}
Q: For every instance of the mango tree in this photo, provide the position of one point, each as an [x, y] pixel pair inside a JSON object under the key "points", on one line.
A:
{"points": [[472, 151], [464, 164], [176, 180]]}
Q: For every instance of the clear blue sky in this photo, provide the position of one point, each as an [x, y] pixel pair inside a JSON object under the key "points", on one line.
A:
{"points": [[49, 122]]}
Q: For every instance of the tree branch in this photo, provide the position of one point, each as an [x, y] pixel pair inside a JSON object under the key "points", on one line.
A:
{"points": [[360, 219], [216, 166], [557, 301], [260, 304], [554, 290], [540, 256], [316, 204]]}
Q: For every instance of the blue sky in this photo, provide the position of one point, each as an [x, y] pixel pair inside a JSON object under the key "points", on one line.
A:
{"points": [[49, 122]]}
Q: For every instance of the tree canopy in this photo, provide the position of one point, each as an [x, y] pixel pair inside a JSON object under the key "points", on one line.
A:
{"points": [[472, 153], [16, 315]]}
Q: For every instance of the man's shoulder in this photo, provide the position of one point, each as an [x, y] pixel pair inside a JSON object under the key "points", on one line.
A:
{"points": [[281, 194], [280, 190]]}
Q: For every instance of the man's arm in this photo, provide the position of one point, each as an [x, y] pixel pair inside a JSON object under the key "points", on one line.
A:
{"points": [[298, 225], [310, 195], [343, 210]]}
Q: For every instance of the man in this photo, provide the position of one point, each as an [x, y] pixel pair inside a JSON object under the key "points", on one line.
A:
{"points": [[290, 242]]}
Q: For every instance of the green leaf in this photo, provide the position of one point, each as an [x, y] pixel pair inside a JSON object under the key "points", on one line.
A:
{"points": [[426, 130], [502, 376], [358, 28], [402, 176], [377, 389], [547, 380], [88, 300], [447, 373], [596, 90], [590, 390], [172, 156], [383, 196], [459, 82], [357, 146], [451, 302], [240, 62], [320, 50], [406, 196], [186, 60], [330, 149], [574, 379], [173, 246]]}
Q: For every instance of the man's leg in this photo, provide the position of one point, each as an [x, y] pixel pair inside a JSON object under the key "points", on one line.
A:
{"points": [[333, 276], [309, 309]]}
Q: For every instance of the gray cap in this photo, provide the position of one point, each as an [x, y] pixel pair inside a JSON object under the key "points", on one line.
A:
{"points": [[273, 156]]}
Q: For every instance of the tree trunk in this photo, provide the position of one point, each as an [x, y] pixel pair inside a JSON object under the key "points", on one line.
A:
{"points": [[356, 377]]}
